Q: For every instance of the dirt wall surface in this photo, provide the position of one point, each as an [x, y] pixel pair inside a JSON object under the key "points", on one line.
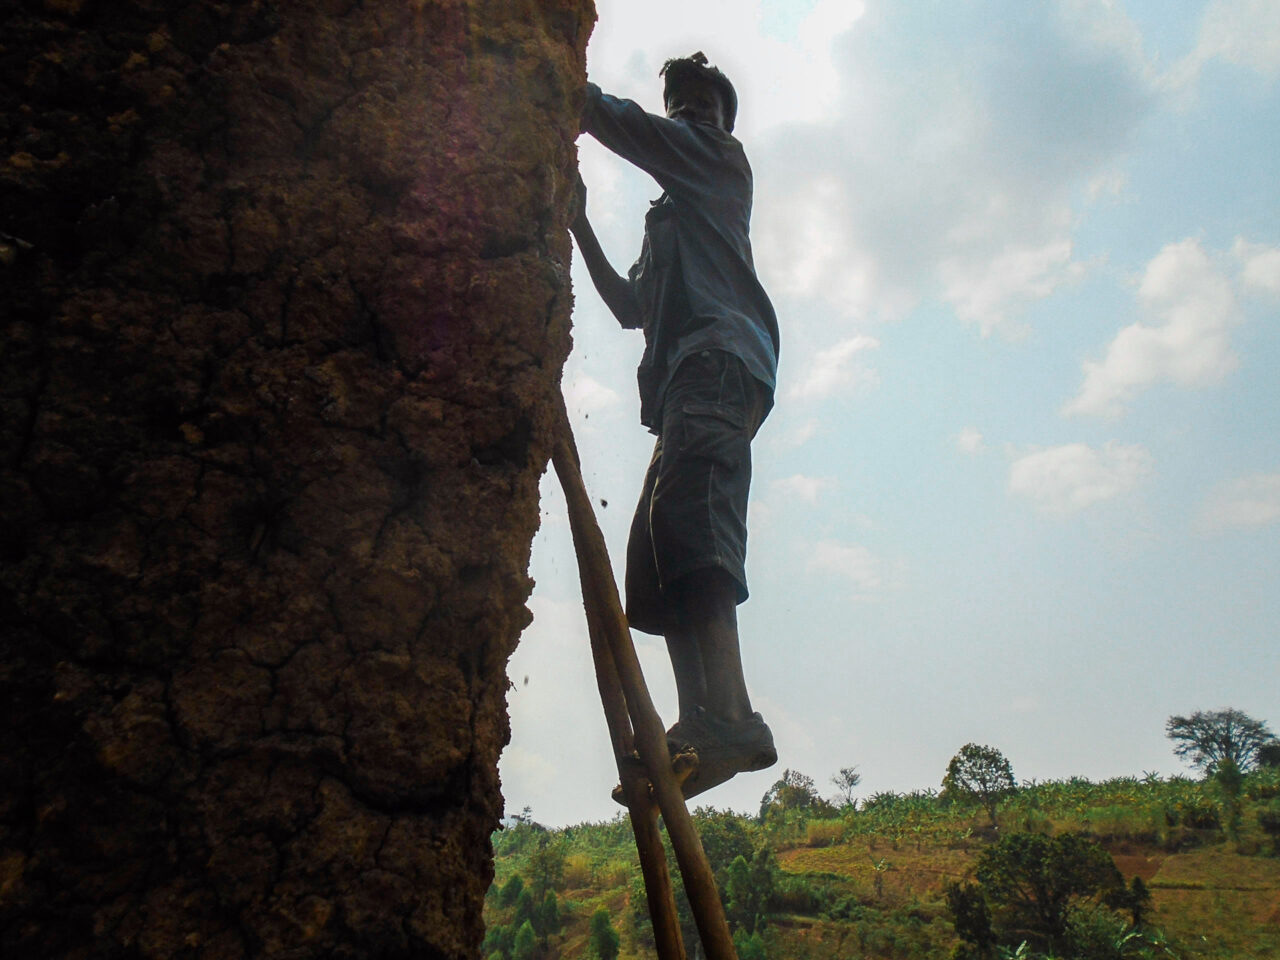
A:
{"points": [[284, 290]]}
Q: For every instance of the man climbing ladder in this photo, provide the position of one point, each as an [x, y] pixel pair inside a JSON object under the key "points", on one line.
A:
{"points": [[706, 383]]}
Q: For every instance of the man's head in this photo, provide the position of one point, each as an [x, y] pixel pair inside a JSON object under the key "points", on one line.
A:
{"points": [[698, 93]]}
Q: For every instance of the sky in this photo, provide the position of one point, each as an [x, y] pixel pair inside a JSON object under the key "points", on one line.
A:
{"points": [[1021, 485]]}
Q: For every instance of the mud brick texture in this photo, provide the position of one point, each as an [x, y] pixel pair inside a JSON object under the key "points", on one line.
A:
{"points": [[284, 296]]}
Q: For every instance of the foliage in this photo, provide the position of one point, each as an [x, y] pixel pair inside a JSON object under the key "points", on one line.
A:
{"points": [[925, 839], [971, 917], [794, 791], [724, 838], [1269, 821], [979, 773], [526, 906], [823, 833], [749, 946], [526, 944], [499, 940], [545, 866], [1035, 881], [576, 872], [1230, 782], [1269, 754], [1135, 899], [845, 781], [546, 920], [1208, 737], [747, 889], [604, 939], [511, 890]]}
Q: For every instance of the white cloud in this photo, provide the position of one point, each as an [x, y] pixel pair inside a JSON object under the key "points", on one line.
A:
{"points": [[802, 433], [1243, 32], [837, 368], [852, 561], [969, 440], [986, 292], [1260, 268], [804, 488], [1073, 476], [1252, 501], [1195, 307], [585, 394], [948, 172]]}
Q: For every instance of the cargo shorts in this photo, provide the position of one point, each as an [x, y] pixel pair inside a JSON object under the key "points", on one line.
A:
{"points": [[692, 513]]}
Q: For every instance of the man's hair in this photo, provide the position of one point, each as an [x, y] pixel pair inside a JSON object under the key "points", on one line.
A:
{"points": [[681, 70]]}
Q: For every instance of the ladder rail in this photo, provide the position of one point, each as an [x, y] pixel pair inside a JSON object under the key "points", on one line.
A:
{"points": [[622, 689]]}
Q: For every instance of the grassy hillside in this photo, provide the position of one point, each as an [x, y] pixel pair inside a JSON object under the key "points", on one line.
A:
{"points": [[870, 881]]}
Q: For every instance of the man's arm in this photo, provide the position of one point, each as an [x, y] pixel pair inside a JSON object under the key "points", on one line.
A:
{"points": [[684, 158], [615, 290]]}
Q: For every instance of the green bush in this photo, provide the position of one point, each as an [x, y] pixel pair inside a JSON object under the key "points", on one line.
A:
{"points": [[526, 945], [604, 939], [823, 833], [793, 894], [1269, 821], [749, 946], [511, 890]]}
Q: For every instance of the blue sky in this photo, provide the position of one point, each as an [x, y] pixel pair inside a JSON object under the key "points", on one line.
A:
{"points": [[1022, 482]]}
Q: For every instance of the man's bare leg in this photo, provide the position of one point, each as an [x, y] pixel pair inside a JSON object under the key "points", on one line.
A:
{"points": [[703, 644]]}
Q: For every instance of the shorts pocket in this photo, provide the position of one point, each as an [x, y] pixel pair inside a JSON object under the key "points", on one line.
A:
{"points": [[714, 432]]}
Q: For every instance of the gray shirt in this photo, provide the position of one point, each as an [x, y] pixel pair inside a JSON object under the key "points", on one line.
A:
{"points": [[694, 281]]}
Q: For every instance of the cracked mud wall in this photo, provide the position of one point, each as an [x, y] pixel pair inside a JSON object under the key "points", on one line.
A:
{"points": [[284, 292]]}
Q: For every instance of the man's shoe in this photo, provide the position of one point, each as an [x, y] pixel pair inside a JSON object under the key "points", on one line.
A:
{"points": [[724, 747]]}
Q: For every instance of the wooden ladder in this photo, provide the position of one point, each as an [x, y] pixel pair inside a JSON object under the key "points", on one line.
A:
{"points": [[636, 732]]}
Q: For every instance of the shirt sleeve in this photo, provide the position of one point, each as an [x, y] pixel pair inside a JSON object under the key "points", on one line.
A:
{"points": [[680, 156]]}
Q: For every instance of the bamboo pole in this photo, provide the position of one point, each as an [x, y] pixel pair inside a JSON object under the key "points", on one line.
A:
{"points": [[604, 609], [659, 894]]}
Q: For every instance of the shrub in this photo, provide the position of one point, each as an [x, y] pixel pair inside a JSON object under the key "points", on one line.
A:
{"points": [[511, 890], [577, 871], [749, 946], [1269, 821], [604, 939], [526, 945], [823, 833], [797, 895], [615, 873], [981, 774], [1039, 881]]}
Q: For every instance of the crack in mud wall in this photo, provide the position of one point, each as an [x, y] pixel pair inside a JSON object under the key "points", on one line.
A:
{"points": [[285, 301]]}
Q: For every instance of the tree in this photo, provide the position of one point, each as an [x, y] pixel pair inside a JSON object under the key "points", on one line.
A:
{"points": [[1230, 781], [511, 890], [1269, 754], [1035, 881], [526, 945], [526, 907], [845, 781], [749, 946], [546, 920], [604, 939], [1208, 737], [747, 889], [795, 791], [979, 773], [971, 917], [546, 865], [724, 838]]}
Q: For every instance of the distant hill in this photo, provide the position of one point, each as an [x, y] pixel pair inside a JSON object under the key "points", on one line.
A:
{"points": [[869, 881]]}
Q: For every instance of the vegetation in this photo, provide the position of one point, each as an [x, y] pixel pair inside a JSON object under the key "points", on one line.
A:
{"points": [[1126, 868], [846, 781], [981, 774], [1208, 737], [604, 939]]}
